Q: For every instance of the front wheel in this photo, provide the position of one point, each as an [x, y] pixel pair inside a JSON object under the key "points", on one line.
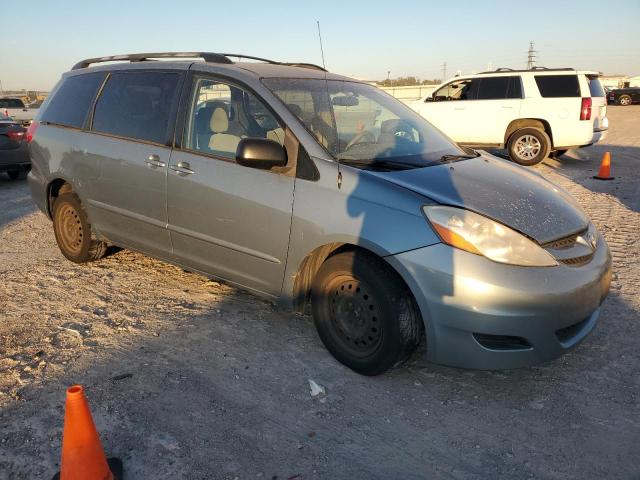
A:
{"points": [[364, 313], [624, 100], [73, 231], [528, 146]]}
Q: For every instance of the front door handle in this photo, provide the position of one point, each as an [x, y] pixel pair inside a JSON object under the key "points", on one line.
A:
{"points": [[182, 168], [154, 161]]}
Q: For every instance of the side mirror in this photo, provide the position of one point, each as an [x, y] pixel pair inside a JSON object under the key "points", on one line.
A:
{"points": [[260, 153], [429, 99]]}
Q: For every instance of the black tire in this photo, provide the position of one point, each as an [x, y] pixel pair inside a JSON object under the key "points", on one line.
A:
{"points": [[73, 231], [364, 313], [624, 100], [558, 153], [518, 149]]}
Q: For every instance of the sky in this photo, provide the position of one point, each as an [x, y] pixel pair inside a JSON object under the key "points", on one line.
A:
{"points": [[362, 39]]}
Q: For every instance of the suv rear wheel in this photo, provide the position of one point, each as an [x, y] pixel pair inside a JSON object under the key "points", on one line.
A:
{"points": [[73, 231], [528, 146], [364, 313]]}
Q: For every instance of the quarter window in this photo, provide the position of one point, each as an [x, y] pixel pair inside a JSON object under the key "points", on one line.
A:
{"points": [[137, 105], [70, 103], [558, 86], [220, 115], [11, 103]]}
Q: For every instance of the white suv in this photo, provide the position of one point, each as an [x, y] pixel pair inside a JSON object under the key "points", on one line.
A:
{"points": [[533, 113]]}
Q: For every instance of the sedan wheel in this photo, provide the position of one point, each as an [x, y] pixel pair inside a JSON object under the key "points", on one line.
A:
{"points": [[624, 100]]}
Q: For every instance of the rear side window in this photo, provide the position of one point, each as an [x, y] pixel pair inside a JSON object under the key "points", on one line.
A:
{"points": [[71, 102], [137, 105], [497, 88], [11, 103], [557, 86], [595, 87]]}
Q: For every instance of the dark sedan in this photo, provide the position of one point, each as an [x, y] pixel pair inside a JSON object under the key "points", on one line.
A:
{"points": [[624, 96], [14, 150]]}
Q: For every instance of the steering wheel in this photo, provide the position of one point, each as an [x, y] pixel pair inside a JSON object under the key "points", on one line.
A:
{"points": [[363, 137]]}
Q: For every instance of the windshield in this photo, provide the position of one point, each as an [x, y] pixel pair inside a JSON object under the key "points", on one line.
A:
{"points": [[361, 125]]}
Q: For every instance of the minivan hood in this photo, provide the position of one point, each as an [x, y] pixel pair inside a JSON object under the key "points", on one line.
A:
{"points": [[501, 190]]}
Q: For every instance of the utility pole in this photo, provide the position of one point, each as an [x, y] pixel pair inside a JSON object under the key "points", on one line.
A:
{"points": [[531, 55], [489, 65], [444, 71]]}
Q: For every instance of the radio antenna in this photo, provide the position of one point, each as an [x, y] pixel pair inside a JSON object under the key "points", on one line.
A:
{"points": [[321, 49]]}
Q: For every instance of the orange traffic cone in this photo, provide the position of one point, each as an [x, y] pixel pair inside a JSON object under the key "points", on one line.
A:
{"points": [[82, 454], [605, 168]]}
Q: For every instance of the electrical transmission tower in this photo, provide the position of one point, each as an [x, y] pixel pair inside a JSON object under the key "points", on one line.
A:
{"points": [[531, 55], [444, 71]]}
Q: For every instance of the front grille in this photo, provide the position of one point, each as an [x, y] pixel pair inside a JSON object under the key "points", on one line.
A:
{"points": [[501, 342], [564, 242], [566, 334], [576, 261], [568, 251]]}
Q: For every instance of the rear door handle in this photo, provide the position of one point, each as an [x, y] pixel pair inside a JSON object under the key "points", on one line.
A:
{"points": [[182, 168], [154, 161]]}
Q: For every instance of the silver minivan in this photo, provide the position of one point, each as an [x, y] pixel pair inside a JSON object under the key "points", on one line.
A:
{"points": [[325, 195]]}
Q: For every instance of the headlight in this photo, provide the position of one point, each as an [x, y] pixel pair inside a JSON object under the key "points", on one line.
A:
{"points": [[480, 235]]}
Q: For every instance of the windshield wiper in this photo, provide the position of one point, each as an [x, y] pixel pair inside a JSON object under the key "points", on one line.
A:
{"points": [[382, 164], [455, 158]]}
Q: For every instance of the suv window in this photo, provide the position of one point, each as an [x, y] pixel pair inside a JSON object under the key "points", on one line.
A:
{"points": [[220, 115], [497, 88], [595, 87], [458, 90], [137, 105], [71, 102], [11, 103], [556, 86]]}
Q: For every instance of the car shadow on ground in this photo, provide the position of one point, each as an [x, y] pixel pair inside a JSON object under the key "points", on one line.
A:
{"points": [[15, 200], [220, 389]]}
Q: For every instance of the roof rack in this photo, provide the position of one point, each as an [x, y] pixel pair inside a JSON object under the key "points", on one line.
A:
{"points": [[532, 69], [209, 57]]}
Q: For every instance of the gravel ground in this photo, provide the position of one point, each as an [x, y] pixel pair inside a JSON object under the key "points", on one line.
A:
{"points": [[189, 378]]}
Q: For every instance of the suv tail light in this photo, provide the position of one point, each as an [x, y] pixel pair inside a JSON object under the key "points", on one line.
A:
{"points": [[31, 131], [585, 109], [5, 112]]}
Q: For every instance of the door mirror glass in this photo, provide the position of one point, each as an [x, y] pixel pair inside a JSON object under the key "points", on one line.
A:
{"points": [[260, 153]]}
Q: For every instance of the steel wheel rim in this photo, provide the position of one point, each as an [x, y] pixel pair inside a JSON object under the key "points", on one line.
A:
{"points": [[354, 316], [70, 231], [527, 147]]}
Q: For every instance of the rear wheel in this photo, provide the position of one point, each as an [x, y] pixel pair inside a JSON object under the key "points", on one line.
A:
{"points": [[364, 313], [528, 146], [624, 100], [73, 231]]}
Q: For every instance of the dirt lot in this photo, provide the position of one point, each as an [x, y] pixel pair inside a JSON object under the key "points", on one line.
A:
{"points": [[188, 378]]}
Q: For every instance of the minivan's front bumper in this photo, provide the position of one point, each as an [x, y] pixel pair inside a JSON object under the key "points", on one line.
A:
{"points": [[486, 315]]}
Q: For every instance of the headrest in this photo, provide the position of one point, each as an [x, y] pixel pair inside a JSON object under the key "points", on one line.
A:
{"points": [[219, 121], [203, 120], [295, 109]]}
